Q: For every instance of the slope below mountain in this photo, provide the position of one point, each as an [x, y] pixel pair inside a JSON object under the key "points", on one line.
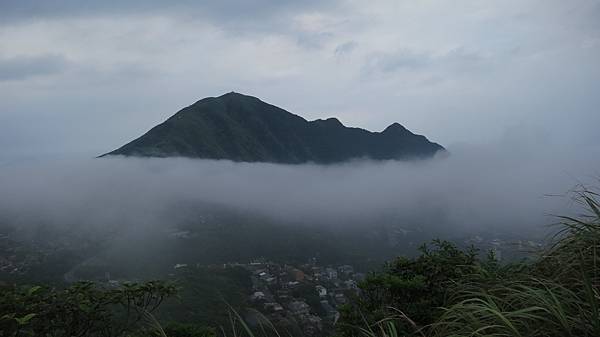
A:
{"points": [[243, 128]]}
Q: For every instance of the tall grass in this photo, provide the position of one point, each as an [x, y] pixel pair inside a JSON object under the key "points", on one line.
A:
{"points": [[558, 295], [237, 326]]}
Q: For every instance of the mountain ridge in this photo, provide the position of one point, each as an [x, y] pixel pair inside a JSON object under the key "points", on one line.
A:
{"points": [[244, 128]]}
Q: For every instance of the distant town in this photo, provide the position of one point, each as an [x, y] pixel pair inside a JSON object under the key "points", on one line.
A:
{"points": [[306, 295]]}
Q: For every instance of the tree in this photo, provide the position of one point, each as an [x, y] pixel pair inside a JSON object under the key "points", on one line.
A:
{"points": [[415, 288]]}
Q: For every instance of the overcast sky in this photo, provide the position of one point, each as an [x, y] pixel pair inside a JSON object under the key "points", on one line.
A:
{"points": [[80, 78]]}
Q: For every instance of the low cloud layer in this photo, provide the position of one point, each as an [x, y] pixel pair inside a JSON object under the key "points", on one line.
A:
{"points": [[496, 188]]}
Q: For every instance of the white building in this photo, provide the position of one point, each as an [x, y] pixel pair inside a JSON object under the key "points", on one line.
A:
{"points": [[321, 290], [331, 273]]}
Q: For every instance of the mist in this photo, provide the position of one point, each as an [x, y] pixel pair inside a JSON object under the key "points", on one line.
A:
{"points": [[497, 187]]}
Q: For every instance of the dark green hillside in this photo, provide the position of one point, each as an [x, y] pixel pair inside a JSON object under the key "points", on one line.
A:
{"points": [[244, 128]]}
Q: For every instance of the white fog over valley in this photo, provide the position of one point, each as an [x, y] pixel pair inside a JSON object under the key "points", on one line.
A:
{"points": [[500, 187]]}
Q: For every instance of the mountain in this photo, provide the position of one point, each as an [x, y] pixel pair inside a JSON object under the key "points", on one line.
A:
{"points": [[244, 128]]}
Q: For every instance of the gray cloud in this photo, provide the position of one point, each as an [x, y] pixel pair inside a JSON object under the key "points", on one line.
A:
{"points": [[391, 62], [250, 14], [24, 67], [345, 48], [453, 62]]}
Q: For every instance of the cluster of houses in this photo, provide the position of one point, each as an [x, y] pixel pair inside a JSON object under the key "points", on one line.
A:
{"points": [[503, 249], [306, 296]]}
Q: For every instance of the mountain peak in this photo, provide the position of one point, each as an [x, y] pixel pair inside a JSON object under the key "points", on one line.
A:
{"points": [[233, 94], [395, 128], [238, 127], [332, 121]]}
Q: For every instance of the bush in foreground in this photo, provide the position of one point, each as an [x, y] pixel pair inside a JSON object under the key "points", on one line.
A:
{"points": [[556, 295], [82, 309]]}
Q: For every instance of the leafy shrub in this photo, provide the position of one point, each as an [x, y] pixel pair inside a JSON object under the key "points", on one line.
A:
{"points": [[82, 309], [416, 287]]}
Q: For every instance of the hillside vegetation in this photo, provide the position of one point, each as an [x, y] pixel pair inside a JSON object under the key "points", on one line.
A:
{"points": [[448, 292], [444, 291]]}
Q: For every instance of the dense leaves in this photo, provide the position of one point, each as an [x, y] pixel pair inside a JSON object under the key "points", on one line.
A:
{"points": [[82, 309], [417, 287]]}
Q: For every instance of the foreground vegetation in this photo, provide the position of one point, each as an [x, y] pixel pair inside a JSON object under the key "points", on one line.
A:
{"points": [[449, 292], [80, 310], [445, 291]]}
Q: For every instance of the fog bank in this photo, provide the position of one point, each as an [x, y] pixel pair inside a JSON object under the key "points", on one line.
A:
{"points": [[473, 188]]}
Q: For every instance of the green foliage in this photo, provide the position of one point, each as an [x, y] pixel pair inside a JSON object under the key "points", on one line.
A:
{"points": [[415, 286], [556, 295], [82, 309]]}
